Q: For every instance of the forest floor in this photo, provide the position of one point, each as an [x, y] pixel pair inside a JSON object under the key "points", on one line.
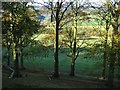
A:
{"points": [[35, 79]]}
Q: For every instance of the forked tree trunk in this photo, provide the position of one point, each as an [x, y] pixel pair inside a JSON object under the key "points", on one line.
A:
{"points": [[73, 51]]}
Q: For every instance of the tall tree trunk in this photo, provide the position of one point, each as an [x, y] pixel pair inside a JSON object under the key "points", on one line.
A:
{"points": [[56, 63], [112, 59], [105, 52], [21, 59], [56, 67], [72, 73], [8, 56], [16, 63]]}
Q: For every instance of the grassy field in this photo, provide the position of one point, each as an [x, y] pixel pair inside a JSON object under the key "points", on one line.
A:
{"points": [[42, 59], [39, 63]]}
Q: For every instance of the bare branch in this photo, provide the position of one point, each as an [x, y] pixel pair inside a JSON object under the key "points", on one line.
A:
{"points": [[30, 41], [66, 23], [52, 10], [67, 44], [77, 55], [65, 10]]}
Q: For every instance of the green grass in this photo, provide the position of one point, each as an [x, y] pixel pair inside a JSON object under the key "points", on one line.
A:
{"points": [[84, 66], [39, 62], [39, 59]]}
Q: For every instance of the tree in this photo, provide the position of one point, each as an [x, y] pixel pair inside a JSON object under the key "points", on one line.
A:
{"points": [[114, 9], [8, 30], [105, 22], [27, 31], [21, 30], [58, 17], [75, 16], [58, 10], [110, 16], [7, 36], [73, 43]]}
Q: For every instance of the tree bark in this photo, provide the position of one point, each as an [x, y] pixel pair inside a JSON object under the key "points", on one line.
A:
{"points": [[118, 52], [72, 73], [16, 63], [8, 56], [118, 56], [56, 63], [21, 59], [111, 70], [104, 66], [56, 67]]}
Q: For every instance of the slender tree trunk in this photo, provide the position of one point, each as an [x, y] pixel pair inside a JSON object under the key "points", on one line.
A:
{"points": [[105, 52], [21, 59], [119, 57], [118, 53], [72, 73], [51, 4], [56, 63], [8, 51], [112, 59], [104, 66], [8, 56], [16, 63], [56, 67], [111, 71]]}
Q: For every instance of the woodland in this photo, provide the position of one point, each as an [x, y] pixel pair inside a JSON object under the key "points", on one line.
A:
{"points": [[61, 44]]}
